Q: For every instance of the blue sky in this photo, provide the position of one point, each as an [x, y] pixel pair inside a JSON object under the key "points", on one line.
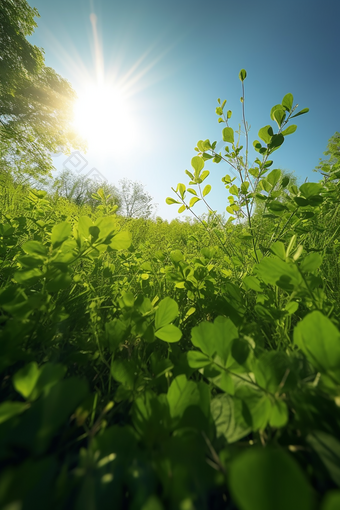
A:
{"points": [[178, 57]]}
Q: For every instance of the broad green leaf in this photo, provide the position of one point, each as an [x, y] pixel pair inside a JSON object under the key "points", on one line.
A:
{"points": [[311, 262], [215, 338], [106, 225], [34, 248], [171, 201], [251, 282], [266, 134], [204, 175], [276, 141], [257, 406], [189, 174], [289, 130], [28, 277], [272, 111], [310, 189], [206, 190], [274, 176], [279, 115], [192, 191], [125, 372], [197, 359], [26, 378], [279, 414], [319, 340], [240, 350], [121, 241], [193, 201], [181, 209], [167, 311], [228, 417], [197, 164], [287, 102], [50, 374], [273, 372], [275, 271], [9, 409], [242, 74], [60, 233], [84, 224], [233, 190], [279, 250], [305, 110], [182, 394], [228, 135], [169, 333], [268, 479], [331, 501], [115, 331], [176, 256], [276, 206]]}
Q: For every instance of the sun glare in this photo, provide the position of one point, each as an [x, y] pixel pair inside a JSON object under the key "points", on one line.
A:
{"points": [[102, 117]]}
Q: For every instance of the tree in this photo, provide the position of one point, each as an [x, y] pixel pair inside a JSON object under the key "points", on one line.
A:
{"points": [[135, 202], [36, 104], [79, 190]]}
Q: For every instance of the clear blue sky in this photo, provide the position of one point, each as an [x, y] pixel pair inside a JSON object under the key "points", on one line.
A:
{"points": [[192, 53]]}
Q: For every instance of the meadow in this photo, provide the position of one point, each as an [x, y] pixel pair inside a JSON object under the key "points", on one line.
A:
{"points": [[155, 365]]}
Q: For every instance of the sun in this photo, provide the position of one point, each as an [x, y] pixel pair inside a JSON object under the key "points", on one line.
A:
{"points": [[102, 116]]}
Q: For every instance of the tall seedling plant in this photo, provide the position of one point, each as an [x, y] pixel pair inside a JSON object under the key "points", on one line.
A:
{"points": [[251, 184]]}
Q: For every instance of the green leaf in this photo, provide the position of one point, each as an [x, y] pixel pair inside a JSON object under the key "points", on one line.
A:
{"points": [[121, 241], [171, 201], [215, 338], [276, 141], [305, 110], [60, 233], [9, 409], [182, 394], [204, 175], [331, 501], [276, 206], [274, 176], [169, 333], [275, 271], [242, 75], [273, 110], [268, 479], [228, 417], [251, 282], [197, 164], [206, 190], [192, 191], [287, 102], [197, 359], [279, 414], [228, 135], [84, 224], [181, 209], [311, 262], [289, 130], [176, 256], [106, 226], [319, 340], [193, 201], [310, 189], [279, 115], [273, 372], [26, 378], [233, 190], [240, 350], [34, 248], [167, 311], [266, 134]]}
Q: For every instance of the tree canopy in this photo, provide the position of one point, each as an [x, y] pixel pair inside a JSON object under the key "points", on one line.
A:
{"points": [[36, 104]]}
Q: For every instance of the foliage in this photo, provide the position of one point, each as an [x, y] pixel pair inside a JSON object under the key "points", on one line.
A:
{"points": [[36, 104], [183, 365]]}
